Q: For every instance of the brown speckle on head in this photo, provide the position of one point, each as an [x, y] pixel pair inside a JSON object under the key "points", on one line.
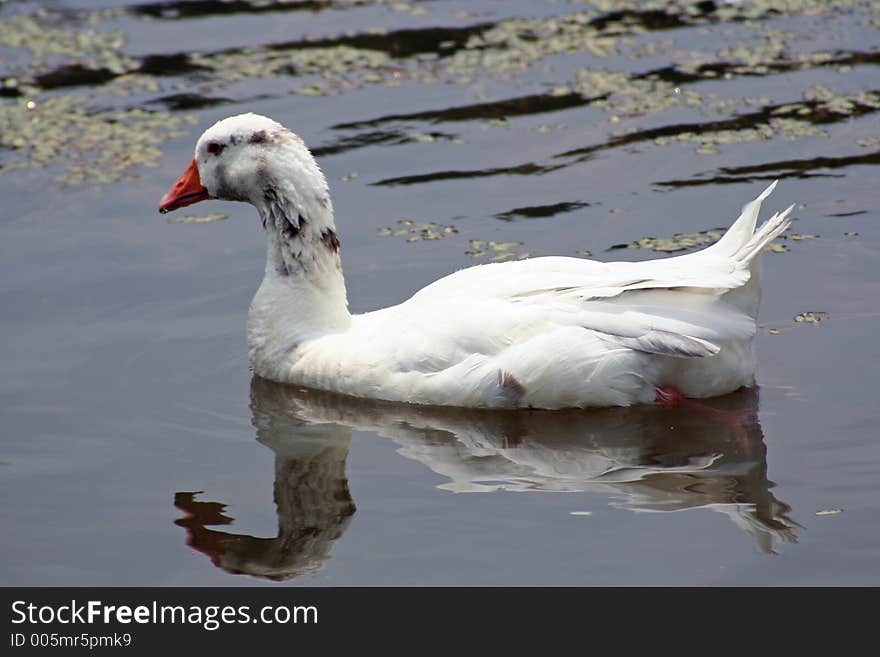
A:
{"points": [[259, 137], [281, 136], [262, 168]]}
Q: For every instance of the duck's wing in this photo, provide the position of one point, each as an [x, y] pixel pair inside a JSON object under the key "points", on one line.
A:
{"points": [[723, 266], [681, 322], [672, 306]]}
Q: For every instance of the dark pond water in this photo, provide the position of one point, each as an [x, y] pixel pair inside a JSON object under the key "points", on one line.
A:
{"points": [[137, 448]]}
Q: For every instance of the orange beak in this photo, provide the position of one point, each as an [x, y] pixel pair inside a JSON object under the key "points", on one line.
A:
{"points": [[187, 190]]}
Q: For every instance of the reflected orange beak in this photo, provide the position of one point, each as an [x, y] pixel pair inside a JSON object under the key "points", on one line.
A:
{"points": [[187, 190]]}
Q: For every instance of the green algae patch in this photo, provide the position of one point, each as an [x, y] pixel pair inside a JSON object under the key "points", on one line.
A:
{"points": [[194, 219], [678, 242], [810, 317], [594, 36], [829, 512], [335, 68], [82, 132], [90, 146], [49, 39], [688, 241], [414, 231], [496, 251]]}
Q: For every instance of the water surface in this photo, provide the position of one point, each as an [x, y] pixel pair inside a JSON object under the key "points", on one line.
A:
{"points": [[138, 449]]}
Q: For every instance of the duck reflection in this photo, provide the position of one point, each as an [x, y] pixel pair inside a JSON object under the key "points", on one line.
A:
{"points": [[311, 493], [711, 455]]}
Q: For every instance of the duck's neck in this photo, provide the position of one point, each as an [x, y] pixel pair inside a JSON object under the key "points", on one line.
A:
{"points": [[302, 295]]}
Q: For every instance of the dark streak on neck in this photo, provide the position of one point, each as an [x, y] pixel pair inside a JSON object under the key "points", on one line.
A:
{"points": [[292, 226], [330, 240], [301, 247]]}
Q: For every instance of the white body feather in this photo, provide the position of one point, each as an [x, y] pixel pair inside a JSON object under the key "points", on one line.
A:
{"points": [[545, 333], [549, 332]]}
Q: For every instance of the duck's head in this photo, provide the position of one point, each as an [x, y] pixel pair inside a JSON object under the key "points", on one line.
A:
{"points": [[244, 158]]}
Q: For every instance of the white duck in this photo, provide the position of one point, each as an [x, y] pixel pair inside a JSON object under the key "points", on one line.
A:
{"points": [[550, 332]]}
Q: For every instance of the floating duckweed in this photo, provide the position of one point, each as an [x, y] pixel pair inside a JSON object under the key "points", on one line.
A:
{"points": [[754, 57], [810, 317], [788, 129], [504, 246], [851, 233], [495, 251], [506, 48], [678, 242], [350, 176], [515, 44], [621, 94], [94, 146], [829, 512], [340, 67], [93, 143], [393, 5], [798, 237], [545, 128], [192, 219], [843, 104], [47, 41], [685, 241], [414, 231]]}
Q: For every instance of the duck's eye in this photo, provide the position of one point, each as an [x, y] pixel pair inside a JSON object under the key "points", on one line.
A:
{"points": [[215, 148]]}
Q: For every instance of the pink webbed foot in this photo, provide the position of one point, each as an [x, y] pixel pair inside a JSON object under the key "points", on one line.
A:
{"points": [[670, 397]]}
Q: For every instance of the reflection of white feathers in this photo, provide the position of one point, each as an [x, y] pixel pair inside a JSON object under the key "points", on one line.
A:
{"points": [[311, 496], [644, 458], [633, 456]]}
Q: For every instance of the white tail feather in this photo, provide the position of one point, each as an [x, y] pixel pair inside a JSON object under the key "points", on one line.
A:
{"points": [[772, 228], [743, 229]]}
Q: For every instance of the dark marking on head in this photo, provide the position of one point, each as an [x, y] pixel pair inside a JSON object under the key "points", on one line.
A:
{"points": [[329, 239], [259, 137], [223, 189], [510, 386]]}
